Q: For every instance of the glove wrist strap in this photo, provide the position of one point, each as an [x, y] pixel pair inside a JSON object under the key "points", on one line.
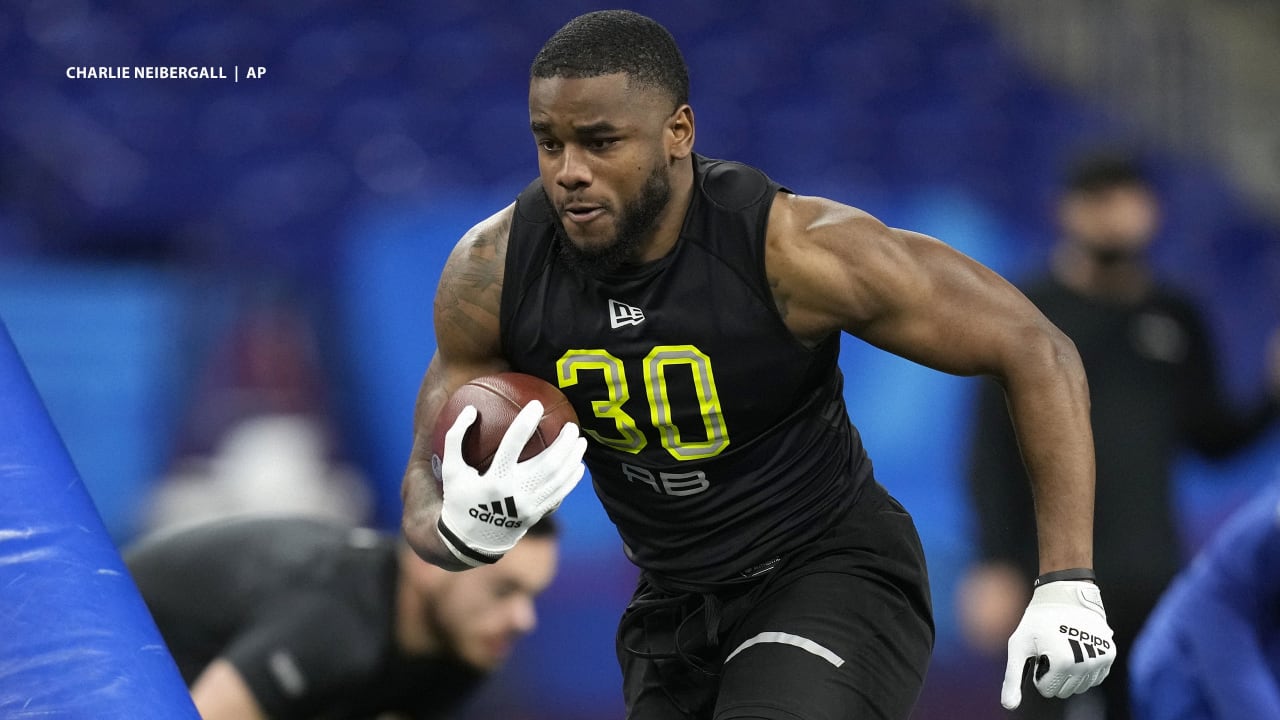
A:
{"points": [[1068, 574], [461, 550]]}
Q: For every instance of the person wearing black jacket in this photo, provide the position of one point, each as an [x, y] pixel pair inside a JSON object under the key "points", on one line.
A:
{"points": [[1154, 391]]}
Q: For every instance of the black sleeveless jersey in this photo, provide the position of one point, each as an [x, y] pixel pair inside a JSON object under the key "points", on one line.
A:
{"points": [[718, 441]]}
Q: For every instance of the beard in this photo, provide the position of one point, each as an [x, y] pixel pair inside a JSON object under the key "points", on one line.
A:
{"points": [[636, 223]]}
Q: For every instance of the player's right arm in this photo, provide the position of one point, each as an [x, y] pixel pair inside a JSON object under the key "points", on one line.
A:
{"points": [[468, 346]]}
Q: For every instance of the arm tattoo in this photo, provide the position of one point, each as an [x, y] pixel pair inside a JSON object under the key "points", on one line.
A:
{"points": [[470, 293]]}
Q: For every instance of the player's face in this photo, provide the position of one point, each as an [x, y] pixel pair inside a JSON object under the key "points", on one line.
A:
{"points": [[479, 614], [605, 150], [1116, 223]]}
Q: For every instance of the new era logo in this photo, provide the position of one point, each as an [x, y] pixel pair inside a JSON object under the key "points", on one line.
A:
{"points": [[497, 512], [623, 314]]}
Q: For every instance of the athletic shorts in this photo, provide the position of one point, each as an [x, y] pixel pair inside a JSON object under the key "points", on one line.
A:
{"points": [[840, 629]]}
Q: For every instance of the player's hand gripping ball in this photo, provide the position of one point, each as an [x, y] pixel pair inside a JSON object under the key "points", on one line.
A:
{"points": [[497, 400], [506, 451]]}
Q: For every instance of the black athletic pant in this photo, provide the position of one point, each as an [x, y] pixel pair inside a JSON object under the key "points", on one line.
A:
{"points": [[841, 629]]}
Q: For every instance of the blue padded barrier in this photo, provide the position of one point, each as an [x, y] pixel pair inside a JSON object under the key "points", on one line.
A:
{"points": [[76, 639]]}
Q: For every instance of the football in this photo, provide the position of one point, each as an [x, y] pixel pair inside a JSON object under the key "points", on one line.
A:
{"points": [[498, 399]]}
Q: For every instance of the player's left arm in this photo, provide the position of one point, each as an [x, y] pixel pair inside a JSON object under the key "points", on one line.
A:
{"points": [[833, 267]]}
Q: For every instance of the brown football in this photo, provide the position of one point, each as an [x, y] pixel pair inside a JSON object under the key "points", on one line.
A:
{"points": [[498, 399]]}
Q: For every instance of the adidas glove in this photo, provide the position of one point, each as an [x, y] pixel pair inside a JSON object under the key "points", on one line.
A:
{"points": [[483, 516], [1064, 632]]}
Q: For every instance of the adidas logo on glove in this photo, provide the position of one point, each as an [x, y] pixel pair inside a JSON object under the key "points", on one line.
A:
{"points": [[1083, 642], [501, 513], [1073, 605]]}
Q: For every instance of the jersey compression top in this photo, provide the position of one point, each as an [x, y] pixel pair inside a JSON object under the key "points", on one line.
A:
{"points": [[718, 440]]}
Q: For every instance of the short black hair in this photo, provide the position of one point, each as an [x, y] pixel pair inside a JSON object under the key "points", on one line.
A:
{"points": [[1104, 170], [615, 41]]}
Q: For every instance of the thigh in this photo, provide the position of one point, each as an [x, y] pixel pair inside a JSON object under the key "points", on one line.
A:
{"points": [[658, 680], [828, 646], [842, 629], [665, 690]]}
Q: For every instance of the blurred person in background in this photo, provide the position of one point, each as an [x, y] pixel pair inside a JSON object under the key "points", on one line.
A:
{"points": [[1154, 391], [1211, 648], [292, 617], [259, 436], [779, 578]]}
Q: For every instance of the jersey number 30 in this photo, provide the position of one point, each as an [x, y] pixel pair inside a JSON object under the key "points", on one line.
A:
{"points": [[713, 439]]}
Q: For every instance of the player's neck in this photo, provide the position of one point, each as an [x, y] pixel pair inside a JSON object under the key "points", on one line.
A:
{"points": [[1123, 280], [667, 230]]}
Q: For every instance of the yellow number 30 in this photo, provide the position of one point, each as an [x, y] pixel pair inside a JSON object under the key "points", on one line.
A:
{"points": [[629, 437]]}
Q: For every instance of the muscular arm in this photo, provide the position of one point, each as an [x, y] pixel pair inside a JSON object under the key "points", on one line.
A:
{"points": [[835, 268], [467, 346], [997, 484]]}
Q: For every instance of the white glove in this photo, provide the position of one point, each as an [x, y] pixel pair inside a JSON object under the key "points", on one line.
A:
{"points": [[483, 516], [1064, 630]]}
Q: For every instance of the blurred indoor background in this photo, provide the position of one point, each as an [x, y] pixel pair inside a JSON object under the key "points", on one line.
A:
{"points": [[223, 288]]}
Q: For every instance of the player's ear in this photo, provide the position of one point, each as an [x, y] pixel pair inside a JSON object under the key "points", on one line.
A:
{"points": [[680, 133]]}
